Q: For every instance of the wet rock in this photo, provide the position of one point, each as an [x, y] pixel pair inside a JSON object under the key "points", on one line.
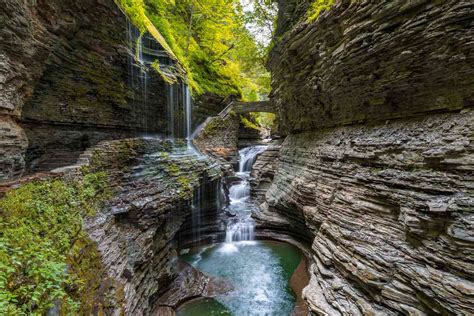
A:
{"points": [[378, 183], [137, 233], [219, 138], [371, 60], [391, 229], [263, 171]]}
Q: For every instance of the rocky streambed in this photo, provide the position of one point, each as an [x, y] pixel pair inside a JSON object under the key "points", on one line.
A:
{"points": [[258, 272]]}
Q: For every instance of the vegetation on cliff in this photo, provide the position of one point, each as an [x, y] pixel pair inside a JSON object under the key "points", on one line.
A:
{"points": [[42, 244], [317, 7], [210, 40]]}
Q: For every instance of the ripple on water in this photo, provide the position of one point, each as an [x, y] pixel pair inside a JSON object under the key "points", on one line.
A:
{"points": [[259, 272]]}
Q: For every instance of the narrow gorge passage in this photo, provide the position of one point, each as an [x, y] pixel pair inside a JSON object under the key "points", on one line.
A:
{"points": [[257, 272], [237, 157]]}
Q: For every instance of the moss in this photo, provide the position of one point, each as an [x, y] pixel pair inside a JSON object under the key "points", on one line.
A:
{"points": [[173, 169], [185, 187], [40, 233], [248, 124], [317, 7]]}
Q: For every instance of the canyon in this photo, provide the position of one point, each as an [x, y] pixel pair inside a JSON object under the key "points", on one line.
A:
{"points": [[366, 186]]}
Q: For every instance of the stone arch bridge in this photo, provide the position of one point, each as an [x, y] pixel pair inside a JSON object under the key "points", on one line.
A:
{"points": [[246, 107]]}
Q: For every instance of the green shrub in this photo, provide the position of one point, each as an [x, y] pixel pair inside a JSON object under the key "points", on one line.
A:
{"points": [[317, 7], [40, 224]]}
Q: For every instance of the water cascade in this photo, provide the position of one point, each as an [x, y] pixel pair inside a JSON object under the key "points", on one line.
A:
{"points": [[138, 78], [196, 213], [258, 271], [188, 107], [241, 226]]}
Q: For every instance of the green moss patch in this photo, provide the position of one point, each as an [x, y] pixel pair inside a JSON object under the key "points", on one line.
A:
{"points": [[41, 239]]}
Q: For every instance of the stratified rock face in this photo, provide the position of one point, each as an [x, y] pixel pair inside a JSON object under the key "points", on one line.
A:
{"points": [[373, 60], [388, 204], [137, 233], [263, 171], [68, 67], [391, 210], [219, 137], [13, 143]]}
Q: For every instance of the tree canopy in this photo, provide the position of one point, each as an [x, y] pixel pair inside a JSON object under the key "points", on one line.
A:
{"points": [[212, 42]]}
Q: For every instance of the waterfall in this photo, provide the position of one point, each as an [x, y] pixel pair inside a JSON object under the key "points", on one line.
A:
{"points": [[241, 226], [240, 231], [188, 103], [179, 113], [138, 79], [196, 213], [171, 112], [248, 156]]}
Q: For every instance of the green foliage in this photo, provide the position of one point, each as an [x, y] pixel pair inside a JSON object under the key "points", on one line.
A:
{"points": [[40, 224], [210, 40], [249, 124], [317, 7], [263, 119]]}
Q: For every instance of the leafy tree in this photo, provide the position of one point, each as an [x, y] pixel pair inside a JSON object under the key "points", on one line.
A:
{"points": [[211, 40]]}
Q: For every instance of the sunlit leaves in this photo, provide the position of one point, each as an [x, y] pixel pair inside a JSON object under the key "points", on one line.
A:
{"points": [[39, 225]]}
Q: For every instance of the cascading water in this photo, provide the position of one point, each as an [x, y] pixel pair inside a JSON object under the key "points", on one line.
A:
{"points": [[258, 271], [138, 77], [196, 213], [188, 103], [248, 156], [241, 226], [180, 106]]}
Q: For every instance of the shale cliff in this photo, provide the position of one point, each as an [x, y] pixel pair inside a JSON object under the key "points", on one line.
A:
{"points": [[377, 97], [75, 73], [137, 232]]}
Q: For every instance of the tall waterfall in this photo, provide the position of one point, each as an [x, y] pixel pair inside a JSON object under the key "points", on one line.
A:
{"points": [[138, 76], [180, 108], [248, 156], [188, 107], [196, 213], [241, 227]]}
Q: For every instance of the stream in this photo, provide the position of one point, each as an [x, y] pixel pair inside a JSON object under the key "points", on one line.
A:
{"points": [[258, 271]]}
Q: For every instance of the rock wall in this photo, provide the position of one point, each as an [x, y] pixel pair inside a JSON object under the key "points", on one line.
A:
{"points": [[263, 171], [69, 67], [377, 168], [390, 209], [137, 233], [219, 137], [366, 60]]}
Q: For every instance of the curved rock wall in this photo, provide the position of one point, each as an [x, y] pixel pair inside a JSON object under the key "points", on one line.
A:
{"points": [[374, 60], [67, 71], [390, 208], [137, 233], [377, 99]]}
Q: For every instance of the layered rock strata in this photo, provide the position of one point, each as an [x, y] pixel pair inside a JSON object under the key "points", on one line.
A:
{"points": [[390, 209], [377, 168], [136, 234], [219, 137], [263, 171], [71, 70], [366, 60]]}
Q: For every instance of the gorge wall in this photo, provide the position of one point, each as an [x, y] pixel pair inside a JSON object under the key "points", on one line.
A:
{"points": [[73, 74], [137, 232], [377, 100]]}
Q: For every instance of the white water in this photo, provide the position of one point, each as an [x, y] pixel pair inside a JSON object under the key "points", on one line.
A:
{"points": [[248, 156], [138, 79], [241, 227], [196, 213], [188, 105]]}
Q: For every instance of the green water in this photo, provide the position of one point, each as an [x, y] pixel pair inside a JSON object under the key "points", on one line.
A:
{"points": [[259, 272]]}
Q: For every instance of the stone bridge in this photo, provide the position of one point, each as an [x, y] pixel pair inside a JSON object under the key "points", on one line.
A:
{"points": [[246, 107]]}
